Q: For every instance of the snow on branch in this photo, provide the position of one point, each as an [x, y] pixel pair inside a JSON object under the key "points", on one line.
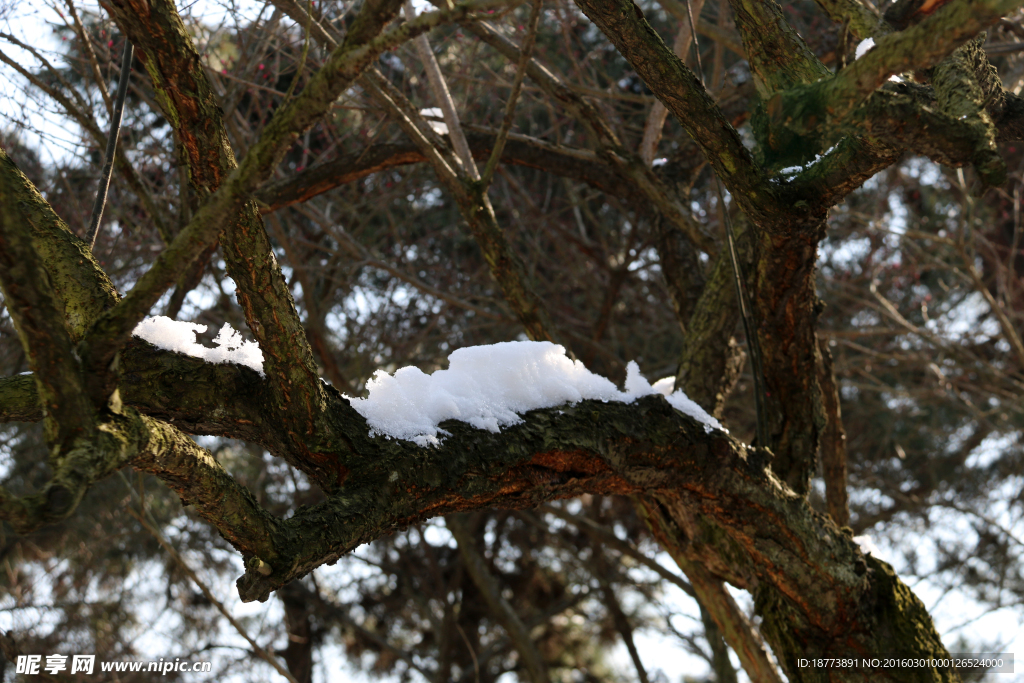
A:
{"points": [[174, 335], [489, 387]]}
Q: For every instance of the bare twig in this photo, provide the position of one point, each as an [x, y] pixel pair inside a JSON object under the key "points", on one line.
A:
{"points": [[443, 97], [91, 54], [513, 97], [259, 651], [115, 129]]}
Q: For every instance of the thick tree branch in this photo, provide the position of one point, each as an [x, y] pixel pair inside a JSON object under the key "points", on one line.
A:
{"points": [[803, 109], [201, 481], [225, 400], [807, 575], [960, 95], [39, 320], [79, 285], [863, 22], [779, 58], [119, 437]]}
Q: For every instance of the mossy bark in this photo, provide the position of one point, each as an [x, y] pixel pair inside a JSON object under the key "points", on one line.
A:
{"points": [[740, 512]]}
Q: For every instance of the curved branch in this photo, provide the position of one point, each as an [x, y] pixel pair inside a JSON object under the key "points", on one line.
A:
{"points": [[520, 150], [810, 579]]}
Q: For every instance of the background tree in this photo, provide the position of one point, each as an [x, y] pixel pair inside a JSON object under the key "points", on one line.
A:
{"points": [[357, 233]]}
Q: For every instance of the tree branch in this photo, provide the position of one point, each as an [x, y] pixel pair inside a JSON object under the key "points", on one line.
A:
{"points": [[803, 109], [513, 97], [490, 589], [520, 150], [655, 122], [833, 442], [629, 166], [685, 97], [37, 316], [111, 153]]}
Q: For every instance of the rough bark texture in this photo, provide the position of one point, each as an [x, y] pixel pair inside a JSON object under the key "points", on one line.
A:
{"points": [[728, 511]]}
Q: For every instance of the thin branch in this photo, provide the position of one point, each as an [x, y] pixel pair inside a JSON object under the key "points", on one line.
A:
{"points": [[83, 116], [644, 184], [609, 539], [443, 97], [655, 122], [90, 53], [258, 650], [619, 617], [499, 606], [1005, 324], [513, 97], [833, 443], [115, 129]]}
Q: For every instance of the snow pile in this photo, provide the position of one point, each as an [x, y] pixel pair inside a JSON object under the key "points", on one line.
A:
{"points": [[174, 335], [489, 387], [676, 399]]}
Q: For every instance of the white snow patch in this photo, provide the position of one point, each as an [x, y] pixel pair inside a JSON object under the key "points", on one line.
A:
{"points": [[793, 170], [864, 46], [489, 387], [661, 161], [664, 385], [439, 127], [862, 49], [174, 335], [867, 545]]}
